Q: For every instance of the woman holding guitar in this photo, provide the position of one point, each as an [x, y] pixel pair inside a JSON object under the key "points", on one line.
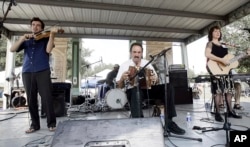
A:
{"points": [[221, 83]]}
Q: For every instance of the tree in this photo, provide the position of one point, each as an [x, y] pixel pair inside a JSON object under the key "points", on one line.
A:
{"points": [[235, 35]]}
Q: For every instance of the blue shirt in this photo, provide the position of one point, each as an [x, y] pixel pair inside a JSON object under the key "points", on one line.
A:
{"points": [[35, 56]]}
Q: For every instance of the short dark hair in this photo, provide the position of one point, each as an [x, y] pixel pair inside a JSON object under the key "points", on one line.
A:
{"points": [[135, 44], [37, 19], [210, 33]]}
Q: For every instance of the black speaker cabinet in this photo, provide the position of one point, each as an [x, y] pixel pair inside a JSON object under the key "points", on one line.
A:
{"points": [[63, 86], [178, 78], [59, 102], [183, 95]]}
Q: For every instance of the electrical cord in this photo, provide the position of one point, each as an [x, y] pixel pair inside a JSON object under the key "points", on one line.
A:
{"points": [[14, 115]]}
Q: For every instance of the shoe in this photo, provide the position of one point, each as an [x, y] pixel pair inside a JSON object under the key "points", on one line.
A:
{"points": [[234, 114], [31, 130], [174, 128], [218, 117], [52, 129], [238, 107]]}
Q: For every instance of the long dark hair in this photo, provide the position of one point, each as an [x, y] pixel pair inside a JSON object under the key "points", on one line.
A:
{"points": [[210, 33]]}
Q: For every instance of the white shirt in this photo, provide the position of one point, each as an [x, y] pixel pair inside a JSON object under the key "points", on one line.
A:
{"points": [[125, 67]]}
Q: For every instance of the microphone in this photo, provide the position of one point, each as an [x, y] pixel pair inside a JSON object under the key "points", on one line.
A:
{"points": [[164, 51], [161, 53], [247, 29], [101, 59], [232, 45]]}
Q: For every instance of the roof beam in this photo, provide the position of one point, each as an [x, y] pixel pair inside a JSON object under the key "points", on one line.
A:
{"points": [[123, 8], [106, 26], [231, 17], [115, 37]]}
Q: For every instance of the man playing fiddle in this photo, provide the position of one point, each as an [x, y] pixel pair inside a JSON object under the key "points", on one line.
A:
{"points": [[36, 72]]}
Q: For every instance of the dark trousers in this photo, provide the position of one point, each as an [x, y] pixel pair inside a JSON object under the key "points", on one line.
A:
{"points": [[171, 112], [39, 82], [136, 106]]}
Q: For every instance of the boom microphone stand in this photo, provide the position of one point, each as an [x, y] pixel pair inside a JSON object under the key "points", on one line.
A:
{"points": [[227, 124], [12, 2], [166, 130], [137, 102]]}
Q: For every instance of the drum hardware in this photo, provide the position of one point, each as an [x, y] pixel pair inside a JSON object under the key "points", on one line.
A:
{"points": [[17, 97], [87, 104]]}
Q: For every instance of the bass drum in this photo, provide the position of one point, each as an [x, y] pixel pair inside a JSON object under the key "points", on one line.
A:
{"points": [[18, 101], [116, 98]]}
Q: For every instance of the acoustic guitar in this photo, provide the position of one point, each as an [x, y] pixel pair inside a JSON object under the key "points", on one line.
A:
{"points": [[218, 68]]}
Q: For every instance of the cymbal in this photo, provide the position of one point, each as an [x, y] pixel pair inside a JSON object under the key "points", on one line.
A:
{"points": [[95, 76], [101, 81]]}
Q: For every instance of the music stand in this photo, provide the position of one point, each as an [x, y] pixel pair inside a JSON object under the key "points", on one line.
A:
{"points": [[166, 130]]}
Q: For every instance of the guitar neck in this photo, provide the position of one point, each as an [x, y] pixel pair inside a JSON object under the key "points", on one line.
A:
{"points": [[236, 58]]}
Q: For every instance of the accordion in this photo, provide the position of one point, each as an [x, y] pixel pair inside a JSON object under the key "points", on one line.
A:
{"points": [[144, 75]]}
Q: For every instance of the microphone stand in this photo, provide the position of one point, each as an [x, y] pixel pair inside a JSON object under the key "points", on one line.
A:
{"points": [[12, 2], [87, 65], [138, 96], [166, 130]]}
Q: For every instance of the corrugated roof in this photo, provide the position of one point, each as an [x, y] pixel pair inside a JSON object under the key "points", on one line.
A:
{"points": [[154, 20]]}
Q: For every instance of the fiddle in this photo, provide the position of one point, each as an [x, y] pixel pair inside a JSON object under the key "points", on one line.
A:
{"points": [[45, 34]]}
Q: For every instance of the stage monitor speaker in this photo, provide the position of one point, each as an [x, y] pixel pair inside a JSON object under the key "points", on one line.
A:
{"points": [[136, 132], [178, 78], [183, 95], [59, 102], [63, 86]]}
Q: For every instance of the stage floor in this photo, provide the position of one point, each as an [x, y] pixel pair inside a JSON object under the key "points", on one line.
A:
{"points": [[14, 123]]}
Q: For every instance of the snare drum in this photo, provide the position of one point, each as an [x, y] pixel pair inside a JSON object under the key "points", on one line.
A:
{"points": [[116, 98]]}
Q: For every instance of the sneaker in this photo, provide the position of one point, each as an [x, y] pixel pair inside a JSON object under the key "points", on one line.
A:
{"points": [[174, 128], [218, 117]]}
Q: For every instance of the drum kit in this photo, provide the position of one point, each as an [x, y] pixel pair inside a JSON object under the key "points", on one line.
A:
{"points": [[102, 98]]}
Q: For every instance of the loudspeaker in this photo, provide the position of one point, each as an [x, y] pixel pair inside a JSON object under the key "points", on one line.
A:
{"points": [[183, 95], [136, 132], [59, 102], [63, 86], [178, 78]]}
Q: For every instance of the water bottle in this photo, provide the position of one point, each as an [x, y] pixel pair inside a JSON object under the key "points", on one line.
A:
{"points": [[162, 117], [189, 120], [208, 107]]}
